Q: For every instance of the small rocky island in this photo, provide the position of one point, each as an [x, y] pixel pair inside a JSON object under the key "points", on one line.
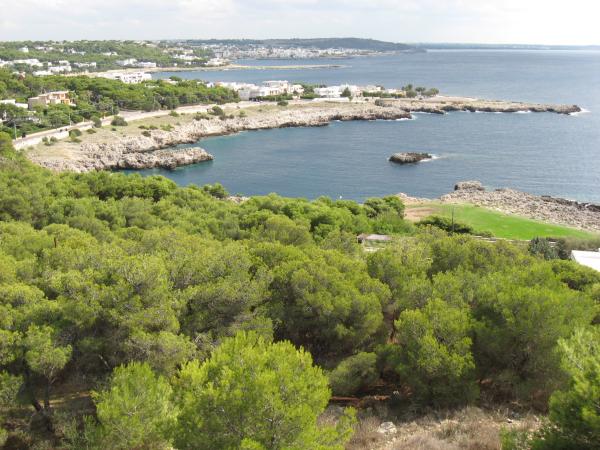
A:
{"points": [[409, 158]]}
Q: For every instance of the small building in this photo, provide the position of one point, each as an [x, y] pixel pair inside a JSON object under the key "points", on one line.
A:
{"points": [[13, 102], [126, 62], [328, 92], [145, 64], [588, 259], [128, 77], [50, 98]]}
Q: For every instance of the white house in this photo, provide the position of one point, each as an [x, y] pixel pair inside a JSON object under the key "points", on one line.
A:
{"points": [[281, 85], [145, 64], [127, 77], [329, 92], [126, 62], [588, 259], [13, 102], [216, 62]]}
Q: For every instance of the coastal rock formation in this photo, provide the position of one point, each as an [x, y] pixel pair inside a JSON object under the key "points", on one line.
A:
{"points": [[585, 216], [132, 153], [469, 186], [143, 151], [409, 158]]}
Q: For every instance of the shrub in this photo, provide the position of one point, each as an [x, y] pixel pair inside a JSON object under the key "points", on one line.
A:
{"points": [[174, 113], [136, 410], [146, 133], [217, 111], [282, 103], [216, 190], [446, 224], [575, 411], [254, 384], [354, 373], [118, 121], [543, 248], [90, 131], [75, 133], [97, 122]]}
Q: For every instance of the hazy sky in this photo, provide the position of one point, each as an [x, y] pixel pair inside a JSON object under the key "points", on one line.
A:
{"points": [[485, 21]]}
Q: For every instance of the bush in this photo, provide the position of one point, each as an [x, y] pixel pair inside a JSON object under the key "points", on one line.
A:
{"points": [[354, 373], [75, 133], [574, 417], [249, 384], [97, 122], [543, 248], [174, 113], [118, 121], [217, 111], [446, 224], [146, 133], [216, 190], [90, 131], [282, 103]]}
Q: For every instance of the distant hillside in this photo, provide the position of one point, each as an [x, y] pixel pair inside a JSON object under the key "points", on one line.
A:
{"points": [[321, 43]]}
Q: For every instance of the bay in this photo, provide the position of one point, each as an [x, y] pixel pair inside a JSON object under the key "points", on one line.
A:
{"points": [[538, 153]]}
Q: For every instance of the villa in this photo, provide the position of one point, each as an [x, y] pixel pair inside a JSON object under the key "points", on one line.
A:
{"points": [[50, 98], [128, 77]]}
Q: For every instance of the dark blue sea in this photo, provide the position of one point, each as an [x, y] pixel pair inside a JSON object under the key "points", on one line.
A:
{"points": [[539, 153]]}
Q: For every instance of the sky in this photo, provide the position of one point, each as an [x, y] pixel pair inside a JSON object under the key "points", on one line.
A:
{"points": [[551, 22]]}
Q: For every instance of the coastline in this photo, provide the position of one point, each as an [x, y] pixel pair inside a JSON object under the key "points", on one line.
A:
{"points": [[226, 68], [543, 208], [134, 150]]}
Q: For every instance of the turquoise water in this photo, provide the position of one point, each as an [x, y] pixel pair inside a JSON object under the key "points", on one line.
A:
{"points": [[540, 153]]}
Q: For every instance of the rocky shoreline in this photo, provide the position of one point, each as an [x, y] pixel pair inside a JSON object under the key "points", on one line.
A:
{"points": [[140, 152], [584, 216]]}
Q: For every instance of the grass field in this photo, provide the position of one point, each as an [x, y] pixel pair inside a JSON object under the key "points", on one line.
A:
{"points": [[499, 224]]}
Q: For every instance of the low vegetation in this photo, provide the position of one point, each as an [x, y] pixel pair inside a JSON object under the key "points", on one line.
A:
{"points": [[184, 320]]}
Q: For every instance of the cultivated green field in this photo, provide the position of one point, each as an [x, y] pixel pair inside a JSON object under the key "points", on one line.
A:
{"points": [[499, 224]]}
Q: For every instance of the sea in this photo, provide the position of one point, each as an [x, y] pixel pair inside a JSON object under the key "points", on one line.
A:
{"points": [[540, 153]]}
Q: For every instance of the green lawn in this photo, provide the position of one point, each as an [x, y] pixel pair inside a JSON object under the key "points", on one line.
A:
{"points": [[499, 224]]}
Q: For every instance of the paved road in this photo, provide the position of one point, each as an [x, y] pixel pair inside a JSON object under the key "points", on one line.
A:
{"points": [[63, 132]]}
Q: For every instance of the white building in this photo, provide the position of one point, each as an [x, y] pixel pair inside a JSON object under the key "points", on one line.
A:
{"points": [[128, 77], [282, 85], [328, 92], [126, 62], [86, 65], [13, 102], [297, 89], [216, 62], [588, 259], [145, 64], [24, 50], [32, 62]]}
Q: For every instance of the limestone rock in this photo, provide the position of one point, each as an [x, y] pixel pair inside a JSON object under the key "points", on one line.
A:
{"points": [[409, 158], [469, 186], [387, 428]]}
